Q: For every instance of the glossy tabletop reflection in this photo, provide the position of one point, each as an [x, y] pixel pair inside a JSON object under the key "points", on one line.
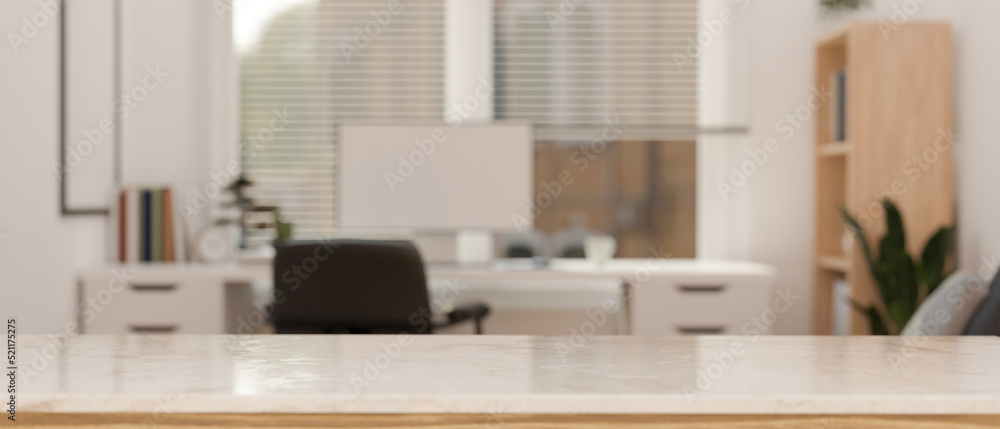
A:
{"points": [[509, 374]]}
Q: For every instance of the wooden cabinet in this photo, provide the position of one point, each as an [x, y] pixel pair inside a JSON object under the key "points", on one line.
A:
{"points": [[899, 135]]}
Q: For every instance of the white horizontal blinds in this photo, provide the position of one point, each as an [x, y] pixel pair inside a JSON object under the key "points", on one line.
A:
{"points": [[328, 61], [570, 68], [284, 72]]}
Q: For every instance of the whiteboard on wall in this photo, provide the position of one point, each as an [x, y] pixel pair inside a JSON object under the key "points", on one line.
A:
{"points": [[435, 176]]}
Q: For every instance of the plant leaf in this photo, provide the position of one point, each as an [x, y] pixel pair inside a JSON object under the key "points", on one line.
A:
{"points": [[853, 224], [933, 258], [894, 225], [878, 326], [900, 289]]}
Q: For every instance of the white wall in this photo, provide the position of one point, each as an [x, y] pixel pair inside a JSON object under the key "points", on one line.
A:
{"points": [[468, 55], [770, 219], [722, 103], [774, 221], [977, 153], [177, 135], [34, 257]]}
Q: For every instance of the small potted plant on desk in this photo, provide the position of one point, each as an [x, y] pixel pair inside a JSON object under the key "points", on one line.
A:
{"points": [[255, 219]]}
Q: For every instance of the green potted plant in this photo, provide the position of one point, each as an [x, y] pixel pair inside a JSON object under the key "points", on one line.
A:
{"points": [[833, 6], [903, 282], [247, 207]]}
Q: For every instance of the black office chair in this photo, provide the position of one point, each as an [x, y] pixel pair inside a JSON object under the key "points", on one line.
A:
{"points": [[357, 286]]}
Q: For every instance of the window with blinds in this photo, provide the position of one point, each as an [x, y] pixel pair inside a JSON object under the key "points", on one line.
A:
{"points": [[314, 64], [570, 66], [568, 70], [608, 70]]}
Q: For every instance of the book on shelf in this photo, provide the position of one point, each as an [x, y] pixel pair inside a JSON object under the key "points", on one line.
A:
{"points": [[147, 226], [838, 106]]}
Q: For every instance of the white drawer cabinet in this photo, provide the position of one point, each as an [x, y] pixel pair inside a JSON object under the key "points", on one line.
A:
{"points": [[665, 297], [689, 296], [156, 299], [701, 305]]}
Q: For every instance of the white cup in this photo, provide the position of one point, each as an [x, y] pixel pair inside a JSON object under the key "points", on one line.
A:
{"points": [[599, 248]]}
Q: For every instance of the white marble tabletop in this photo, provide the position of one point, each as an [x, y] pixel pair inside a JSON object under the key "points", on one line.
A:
{"points": [[510, 374]]}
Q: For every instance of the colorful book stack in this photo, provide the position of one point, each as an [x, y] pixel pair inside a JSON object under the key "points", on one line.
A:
{"points": [[146, 225]]}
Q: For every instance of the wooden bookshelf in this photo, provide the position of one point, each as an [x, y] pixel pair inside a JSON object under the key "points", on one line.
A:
{"points": [[834, 263], [898, 105], [833, 149]]}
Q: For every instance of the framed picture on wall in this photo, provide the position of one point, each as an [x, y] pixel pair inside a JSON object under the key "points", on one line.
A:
{"points": [[88, 163]]}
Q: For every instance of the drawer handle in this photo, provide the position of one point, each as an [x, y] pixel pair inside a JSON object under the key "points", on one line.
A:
{"points": [[153, 329], [154, 287], [702, 288], [701, 330]]}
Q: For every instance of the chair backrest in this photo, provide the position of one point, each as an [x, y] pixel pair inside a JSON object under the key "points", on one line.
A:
{"points": [[358, 286]]}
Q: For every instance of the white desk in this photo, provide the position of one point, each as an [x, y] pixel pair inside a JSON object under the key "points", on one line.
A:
{"points": [[523, 381], [668, 296]]}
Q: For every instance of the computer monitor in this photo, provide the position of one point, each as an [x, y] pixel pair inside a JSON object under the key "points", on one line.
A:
{"points": [[435, 176]]}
